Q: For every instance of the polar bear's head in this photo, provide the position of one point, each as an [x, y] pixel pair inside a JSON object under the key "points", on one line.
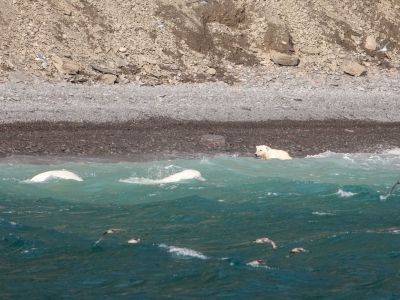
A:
{"points": [[262, 152]]}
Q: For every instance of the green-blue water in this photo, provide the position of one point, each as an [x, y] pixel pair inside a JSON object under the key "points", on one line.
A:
{"points": [[48, 230]]}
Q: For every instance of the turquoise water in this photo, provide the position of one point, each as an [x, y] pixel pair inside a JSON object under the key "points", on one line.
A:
{"points": [[196, 236]]}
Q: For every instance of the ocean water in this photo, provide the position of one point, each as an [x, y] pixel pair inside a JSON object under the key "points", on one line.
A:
{"points": [[197, 235]]}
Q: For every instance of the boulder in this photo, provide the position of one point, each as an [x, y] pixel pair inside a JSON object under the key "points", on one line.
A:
{"points": [[211, 71], [103, 70], [284, 59], [354, 69], [370, 43], [108, 79], [277, 37], [66, 66]]}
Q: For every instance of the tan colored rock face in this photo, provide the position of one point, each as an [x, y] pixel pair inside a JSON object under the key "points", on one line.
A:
{"points": [[177, 40], [354, 69]]}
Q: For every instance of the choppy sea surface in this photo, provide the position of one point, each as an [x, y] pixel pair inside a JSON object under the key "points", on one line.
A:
{"points": [[196, 236]]}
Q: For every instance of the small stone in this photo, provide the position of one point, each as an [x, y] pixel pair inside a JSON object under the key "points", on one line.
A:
{"points": [[311, 50], [284, 59], [120, 63], [66, 66], [213, 140], [370, 43], [354, 69], [108, 79], [211, 71], [122, 79], [122, 49]]}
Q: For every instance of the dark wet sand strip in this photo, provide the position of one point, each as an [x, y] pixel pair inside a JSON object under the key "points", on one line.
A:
{"points": [[166, 138]]}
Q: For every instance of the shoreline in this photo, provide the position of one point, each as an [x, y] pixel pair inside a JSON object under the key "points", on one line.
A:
{"points": [[304, 115], [158, 139]]}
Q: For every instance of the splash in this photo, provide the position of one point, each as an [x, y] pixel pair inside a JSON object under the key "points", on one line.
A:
{"points": [[343, 194], [186, 252]]}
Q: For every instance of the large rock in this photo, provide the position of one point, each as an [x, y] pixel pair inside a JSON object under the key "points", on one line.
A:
{"points": [[370, 43], [104, 70], [277, 37], [108, 79], [284, 59], [354, 69], [66, 66]]}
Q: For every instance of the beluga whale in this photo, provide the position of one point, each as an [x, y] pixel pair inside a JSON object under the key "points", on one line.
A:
{"points": [[174, 178], [57, 174]]}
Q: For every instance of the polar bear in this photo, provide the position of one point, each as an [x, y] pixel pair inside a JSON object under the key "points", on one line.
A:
{"points": [[265, 152]]}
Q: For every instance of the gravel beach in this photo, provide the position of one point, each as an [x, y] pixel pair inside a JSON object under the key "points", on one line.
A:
{"points": [[304, 116], [314, 97]]}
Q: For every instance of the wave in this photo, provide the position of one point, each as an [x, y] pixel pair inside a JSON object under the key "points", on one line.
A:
{"points": [[393, 151], [186, 252], [343, 194], [322, 213]]}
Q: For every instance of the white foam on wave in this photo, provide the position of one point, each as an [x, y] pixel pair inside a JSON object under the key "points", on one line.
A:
{"points": [[185, 252], [256, 264], [174, 178], [393, 230], [384, 197], [394, 151], [322, 155], [322, 213], [343, 194]]}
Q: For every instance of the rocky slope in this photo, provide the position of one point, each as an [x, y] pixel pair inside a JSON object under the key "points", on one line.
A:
{"points": [[170, 41]]}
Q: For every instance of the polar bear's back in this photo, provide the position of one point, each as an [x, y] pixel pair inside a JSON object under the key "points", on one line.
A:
{"points": [[278, 154]]}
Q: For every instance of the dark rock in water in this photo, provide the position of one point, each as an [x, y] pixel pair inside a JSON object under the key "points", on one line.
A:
{"points": [[213, 140]]}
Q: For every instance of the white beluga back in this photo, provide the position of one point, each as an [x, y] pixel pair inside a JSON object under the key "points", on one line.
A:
{"points": [[184, 175], [174, 178], [57, 174]]}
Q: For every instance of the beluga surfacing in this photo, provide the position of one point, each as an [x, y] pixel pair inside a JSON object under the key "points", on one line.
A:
{"points": [[182, 176], [56, 174]]}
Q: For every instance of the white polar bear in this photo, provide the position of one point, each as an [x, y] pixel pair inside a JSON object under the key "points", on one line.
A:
{"points": [[265, 152], [59, 174]]}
